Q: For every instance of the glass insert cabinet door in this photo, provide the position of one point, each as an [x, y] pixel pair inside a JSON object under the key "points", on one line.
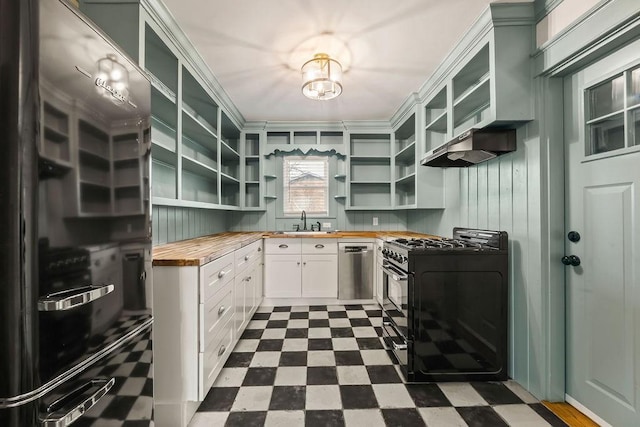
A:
{"points": [[612, 110]]}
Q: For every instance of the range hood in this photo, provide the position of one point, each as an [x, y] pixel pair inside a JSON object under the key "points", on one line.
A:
{"points": [[472, 147]]}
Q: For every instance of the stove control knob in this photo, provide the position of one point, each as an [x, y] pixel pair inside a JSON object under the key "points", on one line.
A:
{"points": [[403, 259]]}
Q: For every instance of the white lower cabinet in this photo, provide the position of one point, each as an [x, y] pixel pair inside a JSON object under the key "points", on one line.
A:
{"points": [[320, 276], [282, 277], [295, 269], [202, 311]]}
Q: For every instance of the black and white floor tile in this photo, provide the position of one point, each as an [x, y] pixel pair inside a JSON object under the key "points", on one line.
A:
{"points": [[326, 366]]}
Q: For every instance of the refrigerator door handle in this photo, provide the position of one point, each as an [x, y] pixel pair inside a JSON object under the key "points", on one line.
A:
{"points": [[63, 417], [71, 298]]}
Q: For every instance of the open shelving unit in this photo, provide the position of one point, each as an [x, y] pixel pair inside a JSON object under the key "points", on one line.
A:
{"points": [[195, 149], [304, 140], [369, 171], [436, 120], [472, 92], [55, 141], [252, 186], [405, 164]]}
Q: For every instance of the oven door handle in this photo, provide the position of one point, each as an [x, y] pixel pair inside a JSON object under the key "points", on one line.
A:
{"points": [[72, 298], [395, 275], [63, 417]]}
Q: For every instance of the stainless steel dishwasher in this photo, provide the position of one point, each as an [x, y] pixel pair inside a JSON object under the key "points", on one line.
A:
{"points": [[355, 270]]}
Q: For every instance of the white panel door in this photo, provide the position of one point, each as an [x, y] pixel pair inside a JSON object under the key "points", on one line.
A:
{"points": [[320, 276], [602, 192], [282, 275]]}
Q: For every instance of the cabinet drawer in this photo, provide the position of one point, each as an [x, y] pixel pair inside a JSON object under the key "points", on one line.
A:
{"points": [[216, 312], [247, 255], [319, 246], [283, 246], [214, 275], [212, 359]]}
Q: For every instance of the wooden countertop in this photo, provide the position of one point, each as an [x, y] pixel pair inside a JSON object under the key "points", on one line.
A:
{"points": [[201, 250]]}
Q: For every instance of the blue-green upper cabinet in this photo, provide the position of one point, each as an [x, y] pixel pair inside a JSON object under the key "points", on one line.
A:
{"points": [[196, 129], [486, 79]]}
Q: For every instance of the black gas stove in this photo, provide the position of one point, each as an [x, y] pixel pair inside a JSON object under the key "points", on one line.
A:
{"points": [[445, 305]]}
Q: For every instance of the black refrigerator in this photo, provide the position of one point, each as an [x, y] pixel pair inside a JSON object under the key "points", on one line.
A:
{"points": [[75, 309]]}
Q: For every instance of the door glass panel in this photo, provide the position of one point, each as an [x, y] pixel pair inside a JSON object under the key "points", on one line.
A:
{"points": [[635, 127], [607, 135], [634, 89], [606, 98]]}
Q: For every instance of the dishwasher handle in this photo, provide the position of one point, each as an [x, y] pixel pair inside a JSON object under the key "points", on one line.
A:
{"points": [[355, 248]]}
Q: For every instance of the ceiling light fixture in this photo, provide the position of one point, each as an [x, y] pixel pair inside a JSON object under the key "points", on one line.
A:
{"points": [[112, 79], [321, 78]]}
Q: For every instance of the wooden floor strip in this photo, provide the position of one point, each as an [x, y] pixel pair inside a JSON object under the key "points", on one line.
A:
{"points": [[569, 414]]}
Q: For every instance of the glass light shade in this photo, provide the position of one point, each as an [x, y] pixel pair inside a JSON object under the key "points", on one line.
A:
{"points": [[112, 79], [321, 77]]}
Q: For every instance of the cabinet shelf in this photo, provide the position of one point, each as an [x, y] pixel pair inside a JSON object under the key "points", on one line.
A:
{"points": [[438, 124], [474, 90], [199, 168], [161, 87], [160, 152], [406, 180], [375, 182], [193, 124], [228, 178], [163, 134], [93, 158], [407, 154], [94, 184], [228, 152], [55, 135]]}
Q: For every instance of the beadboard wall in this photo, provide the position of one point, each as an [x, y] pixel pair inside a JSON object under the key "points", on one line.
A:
{"points": [[504, 194], [344, 220], [170, 224]]}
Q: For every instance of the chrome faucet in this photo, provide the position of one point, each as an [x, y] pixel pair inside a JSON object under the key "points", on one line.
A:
{"points": [[304, 220]]}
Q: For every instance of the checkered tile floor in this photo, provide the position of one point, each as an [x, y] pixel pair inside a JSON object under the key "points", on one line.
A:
{"points": [[327, 366]]}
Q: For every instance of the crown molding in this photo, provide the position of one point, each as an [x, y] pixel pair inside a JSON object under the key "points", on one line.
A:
{"points": [[608, 25]]}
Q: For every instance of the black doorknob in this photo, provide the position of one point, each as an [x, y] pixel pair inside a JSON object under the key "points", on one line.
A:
{"points": [[573, 236], [571, 260]]}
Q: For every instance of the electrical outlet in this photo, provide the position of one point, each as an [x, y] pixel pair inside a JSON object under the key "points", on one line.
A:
{"points": [[375, 220], [326, 225], [128, 228]]}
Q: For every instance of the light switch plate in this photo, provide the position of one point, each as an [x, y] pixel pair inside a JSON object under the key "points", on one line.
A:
{"points": [[326, 225], [375, 220]]}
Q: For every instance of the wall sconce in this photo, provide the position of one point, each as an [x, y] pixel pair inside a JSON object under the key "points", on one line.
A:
{"points": [[321, 77], [112, 79]]}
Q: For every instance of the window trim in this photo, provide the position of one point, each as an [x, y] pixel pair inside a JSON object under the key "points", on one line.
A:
{"points": [[327, 185]]}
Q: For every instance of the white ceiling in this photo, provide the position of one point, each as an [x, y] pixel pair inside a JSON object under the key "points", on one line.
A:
{"points": [[255, 48]]}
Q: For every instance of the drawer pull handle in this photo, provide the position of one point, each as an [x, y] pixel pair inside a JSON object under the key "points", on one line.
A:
{"points": [[222, 350], [283, 246], [221, 310], [319, 246], [259, 249], [247, 279], [221, 274], [246, 257]]}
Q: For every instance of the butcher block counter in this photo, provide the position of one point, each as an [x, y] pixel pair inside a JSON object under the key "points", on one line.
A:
{"points": [[202, 250]]}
